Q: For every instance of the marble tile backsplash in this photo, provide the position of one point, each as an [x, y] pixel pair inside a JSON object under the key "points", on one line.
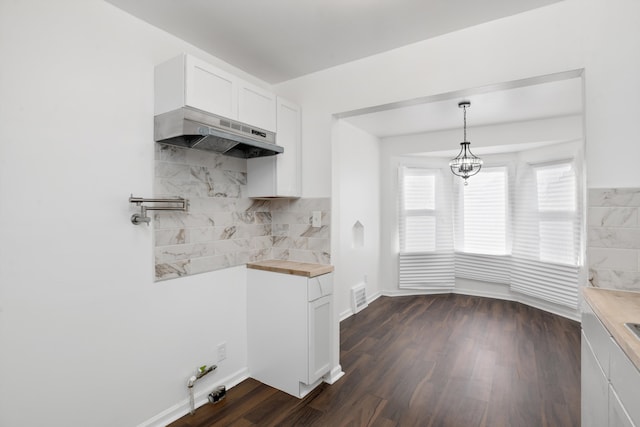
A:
{"points": [[613, 238], [223, 227]]}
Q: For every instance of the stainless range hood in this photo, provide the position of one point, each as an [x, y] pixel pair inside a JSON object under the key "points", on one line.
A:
{"points": [[192, 128]]}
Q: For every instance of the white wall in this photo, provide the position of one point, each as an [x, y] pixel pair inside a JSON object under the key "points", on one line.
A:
{"points": [[612, 63], [86, 336], [597, 35], [356, 181], [504, 50]]}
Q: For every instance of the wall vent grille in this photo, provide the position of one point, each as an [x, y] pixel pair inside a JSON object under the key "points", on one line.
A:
{"points": [[359, 298]]}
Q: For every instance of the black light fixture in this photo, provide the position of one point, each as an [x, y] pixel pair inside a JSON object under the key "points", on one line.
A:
{"points": [[465, 164]]}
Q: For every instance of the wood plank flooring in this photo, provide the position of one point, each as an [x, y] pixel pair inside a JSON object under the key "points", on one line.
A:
{"points": [[439, 361]]}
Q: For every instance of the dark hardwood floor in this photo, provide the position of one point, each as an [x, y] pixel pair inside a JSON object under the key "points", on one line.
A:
{"points": [[445, 360]]}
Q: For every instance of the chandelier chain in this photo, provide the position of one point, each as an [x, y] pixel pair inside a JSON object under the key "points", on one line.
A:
{"points": [[464, 108]]}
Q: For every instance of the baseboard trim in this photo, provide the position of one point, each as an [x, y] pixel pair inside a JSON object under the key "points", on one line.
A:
{"points": [[333, 376], [200, 398], [349, 312], [507, 296]]}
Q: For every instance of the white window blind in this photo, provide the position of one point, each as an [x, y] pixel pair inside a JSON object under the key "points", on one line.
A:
{"points": [[482, 226], [417, 216], [557, 208], [547, 233], [426, 256], [483, 209]]}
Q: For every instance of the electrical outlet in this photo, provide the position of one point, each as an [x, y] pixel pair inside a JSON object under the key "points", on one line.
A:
{"points": [[222, 351], [316, 219]]}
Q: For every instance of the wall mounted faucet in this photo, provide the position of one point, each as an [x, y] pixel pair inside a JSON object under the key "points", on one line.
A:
{"points": [[176, 204]]}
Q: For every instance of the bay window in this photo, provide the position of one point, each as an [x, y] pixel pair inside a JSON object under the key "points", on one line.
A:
{"points": [[519, 225]]}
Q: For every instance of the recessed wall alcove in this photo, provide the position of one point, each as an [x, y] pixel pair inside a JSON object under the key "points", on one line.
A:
{"points": [[357, 235]]}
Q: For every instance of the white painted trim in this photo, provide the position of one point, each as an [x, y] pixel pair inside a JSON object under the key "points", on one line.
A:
{"points": [[349, 312], [180, 409], [507, 296], [333, 376]]}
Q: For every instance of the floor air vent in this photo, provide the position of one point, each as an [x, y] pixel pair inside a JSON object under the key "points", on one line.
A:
{"points": [[359, 297]]}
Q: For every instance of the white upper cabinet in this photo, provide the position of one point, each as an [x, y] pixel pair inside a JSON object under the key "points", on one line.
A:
{"points": [[257, 106], [279, 176], [189, 81], [210, 89], [289, 137]]}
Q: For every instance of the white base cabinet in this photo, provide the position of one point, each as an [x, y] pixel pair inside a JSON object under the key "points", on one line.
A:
{"points": [[289, 322], [594, 389], [610, 381]]}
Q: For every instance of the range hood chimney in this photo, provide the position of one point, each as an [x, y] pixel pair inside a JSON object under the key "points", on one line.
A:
{"points": [[192, 128]]}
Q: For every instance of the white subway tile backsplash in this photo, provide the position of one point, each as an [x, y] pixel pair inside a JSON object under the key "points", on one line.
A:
{"points": [[281, 253], [291, 218], [609, 258], [613, 217], [210, 263], [309, 256], [183, 252], [212, 204], [613, 238], [171, 237], [232, 246], [263, 217], [309, 205], [319, 245], [262, 242], [244, 217], [617, 279], [280, 229], [172, 270], [223, 228], [170, 153], [280, 205], [614, 197]]}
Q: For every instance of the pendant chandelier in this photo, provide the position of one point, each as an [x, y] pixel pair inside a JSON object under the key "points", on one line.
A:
{"points": [[465, 164]]}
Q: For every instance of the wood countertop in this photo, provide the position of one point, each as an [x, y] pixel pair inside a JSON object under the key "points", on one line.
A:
{"points": [[614, 309], [306, 269]]}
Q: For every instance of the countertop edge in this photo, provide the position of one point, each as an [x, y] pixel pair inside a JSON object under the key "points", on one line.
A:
{"points": [[295, 268], [625, 339]]}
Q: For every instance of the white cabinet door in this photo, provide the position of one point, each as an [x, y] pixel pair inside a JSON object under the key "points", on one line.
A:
{"points": [[595, 389], [618, 416], [186, 80], [279, 176], [288, 136], [210, 89], [320, 315], [256, 106], [625, 379]]}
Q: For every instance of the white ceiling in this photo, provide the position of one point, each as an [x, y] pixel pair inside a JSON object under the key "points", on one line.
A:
{"points": [[277, 40], [527, 101]]}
